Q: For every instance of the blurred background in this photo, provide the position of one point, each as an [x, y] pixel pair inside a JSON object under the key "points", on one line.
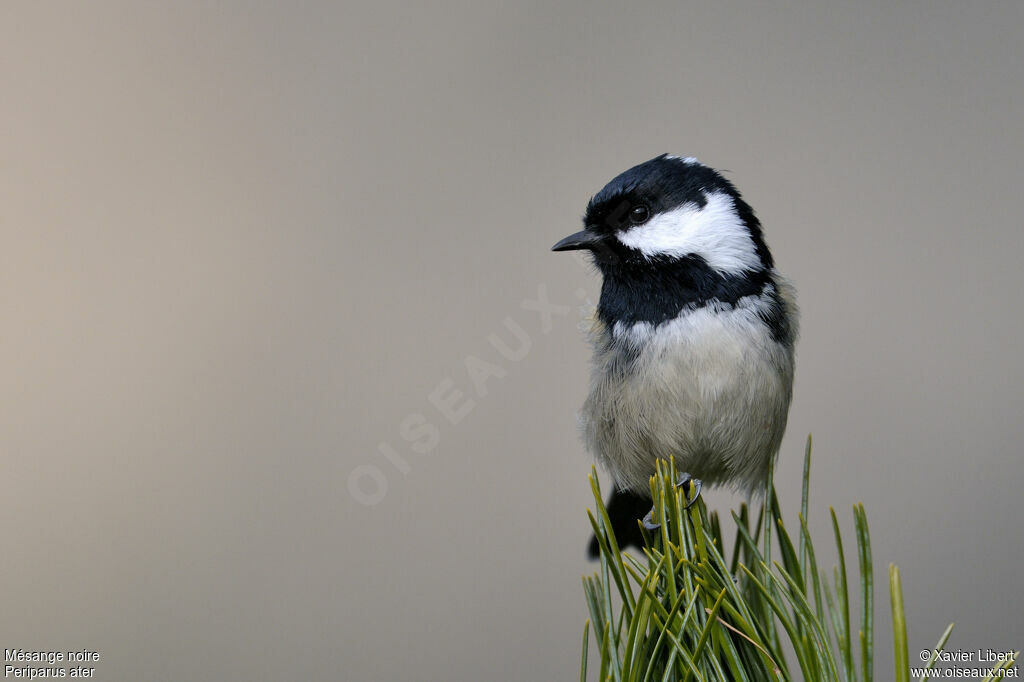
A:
{"points": [[253, 422]]}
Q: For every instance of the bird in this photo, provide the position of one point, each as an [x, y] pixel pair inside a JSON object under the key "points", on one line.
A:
{"points": [[693, 338]]}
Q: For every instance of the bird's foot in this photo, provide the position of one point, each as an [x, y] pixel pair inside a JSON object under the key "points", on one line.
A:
{"points": [[687, 483]]}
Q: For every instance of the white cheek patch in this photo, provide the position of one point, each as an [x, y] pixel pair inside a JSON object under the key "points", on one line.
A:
{"points": [[715, 233]]}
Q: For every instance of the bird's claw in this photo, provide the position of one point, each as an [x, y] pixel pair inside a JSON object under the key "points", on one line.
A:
{"points": [[697, 485], [684, 480]]}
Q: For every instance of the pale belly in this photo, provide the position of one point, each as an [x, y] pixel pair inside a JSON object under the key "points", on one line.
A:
{"points": [[710, 390]]}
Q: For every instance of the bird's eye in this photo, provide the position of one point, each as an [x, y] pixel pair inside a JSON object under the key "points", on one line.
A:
{"points": [[639, 214]]}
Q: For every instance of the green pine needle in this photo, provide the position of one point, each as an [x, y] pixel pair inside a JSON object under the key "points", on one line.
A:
{"points": [[687, 610]]}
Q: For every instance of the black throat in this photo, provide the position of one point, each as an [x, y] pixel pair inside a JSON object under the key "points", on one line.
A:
{"points": [[658, 290]]}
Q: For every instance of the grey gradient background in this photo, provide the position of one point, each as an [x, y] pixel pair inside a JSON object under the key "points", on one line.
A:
{"points": [[242, 243]]}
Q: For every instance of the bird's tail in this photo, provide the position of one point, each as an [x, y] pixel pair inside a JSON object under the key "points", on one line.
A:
{"points": [[625, 509]]}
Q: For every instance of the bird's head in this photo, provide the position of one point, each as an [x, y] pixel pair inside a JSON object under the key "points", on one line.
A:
{"points": [[671, 210]]}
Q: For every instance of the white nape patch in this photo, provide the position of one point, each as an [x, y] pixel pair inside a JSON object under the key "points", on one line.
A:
{"points": [[715, 233], [743, 315], [692, 160]]}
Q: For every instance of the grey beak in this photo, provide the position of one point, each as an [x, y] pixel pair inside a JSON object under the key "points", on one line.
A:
{"points": [[584, 239]]}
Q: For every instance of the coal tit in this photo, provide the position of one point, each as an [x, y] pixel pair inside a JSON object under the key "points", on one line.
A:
{"points": [[693, 336]]}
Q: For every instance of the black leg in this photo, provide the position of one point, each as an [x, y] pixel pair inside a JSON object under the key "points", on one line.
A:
{"points": [[686, 482], [625, 507]]}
